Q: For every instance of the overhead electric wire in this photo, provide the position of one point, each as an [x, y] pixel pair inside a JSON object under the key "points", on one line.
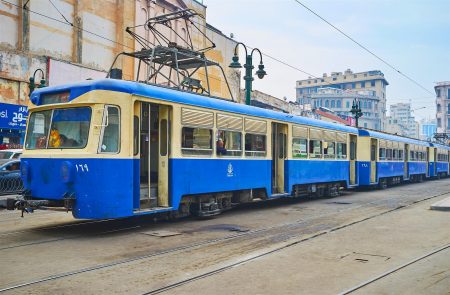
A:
{"points": [[364, 47], [60, 13]]}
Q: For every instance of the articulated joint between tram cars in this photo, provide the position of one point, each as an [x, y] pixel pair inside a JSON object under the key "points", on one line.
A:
{"points": [[26, 204]]}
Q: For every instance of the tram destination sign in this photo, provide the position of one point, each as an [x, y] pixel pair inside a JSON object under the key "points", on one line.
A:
{"points": [[13, 116]]}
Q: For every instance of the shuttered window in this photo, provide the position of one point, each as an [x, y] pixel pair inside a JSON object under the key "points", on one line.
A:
{"points": [[196, 118], [341, 137], [300, 132], [226, 122], [315, 134], [255, 126]]}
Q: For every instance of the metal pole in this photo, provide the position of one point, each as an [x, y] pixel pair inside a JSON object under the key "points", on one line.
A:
{"points": [[248, 79]]}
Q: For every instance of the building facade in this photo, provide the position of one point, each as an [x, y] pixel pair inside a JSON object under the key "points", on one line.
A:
{"points": [[340, 102], [73, 40], [427, 129], [401, 113], [442, 90], [365, 81]]}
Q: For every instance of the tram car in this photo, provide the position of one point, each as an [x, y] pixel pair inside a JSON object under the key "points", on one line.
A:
{"points": [[112, 148], [386, 159], [441, 157]]}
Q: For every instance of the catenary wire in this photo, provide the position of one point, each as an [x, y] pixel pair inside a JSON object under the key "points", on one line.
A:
{"points": [[364, 47]]}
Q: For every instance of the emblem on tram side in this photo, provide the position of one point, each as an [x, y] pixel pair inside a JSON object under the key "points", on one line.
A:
{"points": [[230, 170]]}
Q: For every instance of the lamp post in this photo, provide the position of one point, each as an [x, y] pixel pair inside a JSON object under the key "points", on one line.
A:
{"points": [[248, 69], [32, 85], [356, 110]]}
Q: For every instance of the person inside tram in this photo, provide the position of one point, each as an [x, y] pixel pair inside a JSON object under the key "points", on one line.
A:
{"points": [[67, 142], [220, 147]]}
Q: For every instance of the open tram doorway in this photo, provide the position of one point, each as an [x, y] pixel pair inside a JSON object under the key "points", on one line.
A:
{"points": [[279, 154], [406, 160], [353, 159], [373, 159], [153, 155]]}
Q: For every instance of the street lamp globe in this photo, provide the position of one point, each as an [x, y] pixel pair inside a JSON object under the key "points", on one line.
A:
{"points": [[261, 72], [235, 64]]}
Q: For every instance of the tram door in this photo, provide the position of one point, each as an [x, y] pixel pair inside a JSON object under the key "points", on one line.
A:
{"points": [[406, 159], [279, 154], [154, 154], [428, 159], [373, 160], [353, 158]]}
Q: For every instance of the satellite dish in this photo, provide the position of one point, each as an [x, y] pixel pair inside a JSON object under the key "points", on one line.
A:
{"points": [[231, 35]]}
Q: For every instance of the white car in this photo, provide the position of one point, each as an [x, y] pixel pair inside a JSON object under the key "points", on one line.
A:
{"points": [[10, 154]]}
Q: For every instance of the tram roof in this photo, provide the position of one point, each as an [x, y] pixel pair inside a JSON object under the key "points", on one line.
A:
{"points": [[438, 145], [387, 136], [172, 95]]}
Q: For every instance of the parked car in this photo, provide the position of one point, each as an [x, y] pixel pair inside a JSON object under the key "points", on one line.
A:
{"points": [[10, 180], [7, 155]]}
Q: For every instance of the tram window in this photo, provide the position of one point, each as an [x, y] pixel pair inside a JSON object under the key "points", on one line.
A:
{"points": [[341, 150], [228, 143], [394, 154], [382, 154], [389, 154], [196, 141], [281, 145], [255, 145], [299, 148], [135, 135], [352, 150], [328, 149], [373, 149], [417, 156], [400, 155], [411, 156], [38, 127], [110, 136], [315, 148], [163, 138]]}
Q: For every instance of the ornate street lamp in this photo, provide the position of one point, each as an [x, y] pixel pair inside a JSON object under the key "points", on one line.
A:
{"points": [[356, 110], [32, 85], [248, 69]]}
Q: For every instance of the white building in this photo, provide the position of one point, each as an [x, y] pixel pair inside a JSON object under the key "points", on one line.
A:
{"points": [[443, 106], [401, 114]]}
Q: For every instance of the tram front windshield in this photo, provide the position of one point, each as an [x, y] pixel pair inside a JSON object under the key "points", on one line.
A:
{"points": [[59, 129]]}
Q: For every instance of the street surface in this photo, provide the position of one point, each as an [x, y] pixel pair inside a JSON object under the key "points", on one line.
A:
{"points": [[324, 246]]}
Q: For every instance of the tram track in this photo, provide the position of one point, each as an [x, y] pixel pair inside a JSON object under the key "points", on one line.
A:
{"points": [[394, 270], [291, 244], [138, 226], [278, 228]]}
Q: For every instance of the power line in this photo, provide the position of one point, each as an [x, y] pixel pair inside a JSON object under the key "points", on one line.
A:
{"points": [[364, 47], [60, 13]]}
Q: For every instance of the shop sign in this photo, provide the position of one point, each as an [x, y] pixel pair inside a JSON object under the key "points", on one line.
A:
{"points": [[13, 116]]}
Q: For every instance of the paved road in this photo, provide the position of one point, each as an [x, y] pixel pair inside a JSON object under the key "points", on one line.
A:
{"points": [[313, 247]]}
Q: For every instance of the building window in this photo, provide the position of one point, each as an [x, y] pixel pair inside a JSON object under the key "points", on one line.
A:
{"points": [[439, 122], [333, 104], [363, 85], [448, 109], [315, 81], [369, 105], [334, 78], [365, 105], [338, 104], [448, 123], [448, 93], [372, 83], [438, 92], [353, 85], [327, 103], [438, 108], [365, 125], [347, 104]]}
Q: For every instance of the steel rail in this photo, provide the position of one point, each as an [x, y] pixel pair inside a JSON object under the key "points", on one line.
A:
{"points": [[389, 272], [230, 237]]}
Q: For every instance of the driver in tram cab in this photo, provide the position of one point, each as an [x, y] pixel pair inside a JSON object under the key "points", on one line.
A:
{"points": [[220, 147]]}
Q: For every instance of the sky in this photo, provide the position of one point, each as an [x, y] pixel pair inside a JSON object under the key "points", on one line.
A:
{"points": [[413, 36]]}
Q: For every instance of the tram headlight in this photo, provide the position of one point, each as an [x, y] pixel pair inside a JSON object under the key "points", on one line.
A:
{"points": [[67, 172]]}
